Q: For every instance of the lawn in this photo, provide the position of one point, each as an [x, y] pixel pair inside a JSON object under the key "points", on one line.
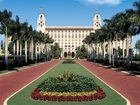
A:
{"points": [[23, 97]]}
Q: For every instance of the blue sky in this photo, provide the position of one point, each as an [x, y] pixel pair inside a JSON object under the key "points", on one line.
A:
{"points": [[65, 12]]}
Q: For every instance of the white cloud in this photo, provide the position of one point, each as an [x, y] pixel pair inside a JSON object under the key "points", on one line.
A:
{"points": [[100, 2]]}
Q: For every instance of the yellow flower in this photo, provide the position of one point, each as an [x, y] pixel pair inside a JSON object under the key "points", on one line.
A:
{"points": [[68, 93]]}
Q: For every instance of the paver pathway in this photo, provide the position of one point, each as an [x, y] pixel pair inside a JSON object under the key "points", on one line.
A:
{"points": [[12, 82], [127, 85]]}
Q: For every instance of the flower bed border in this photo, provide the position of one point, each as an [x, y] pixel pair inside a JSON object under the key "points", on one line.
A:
{"points": [[36, 95]]}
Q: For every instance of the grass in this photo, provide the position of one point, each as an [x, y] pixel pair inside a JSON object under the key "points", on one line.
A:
{"points": [[23, 97]]}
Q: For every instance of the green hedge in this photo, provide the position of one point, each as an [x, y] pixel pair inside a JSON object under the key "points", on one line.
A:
{"points": [[68, 82], [136, 58], [68, 62]]}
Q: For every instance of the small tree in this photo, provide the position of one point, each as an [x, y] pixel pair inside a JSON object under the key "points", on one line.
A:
{"points": [[81, 52], [56, 50], [137, 46]]}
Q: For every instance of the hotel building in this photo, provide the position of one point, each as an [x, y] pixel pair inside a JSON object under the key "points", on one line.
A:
{"points": [[68, 37]]}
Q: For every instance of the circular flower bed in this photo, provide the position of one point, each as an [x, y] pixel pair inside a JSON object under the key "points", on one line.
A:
{"points": [[68, 87]]}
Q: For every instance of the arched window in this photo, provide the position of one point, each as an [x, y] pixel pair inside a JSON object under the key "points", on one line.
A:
{"points": [[97, 17], [41, 17]]}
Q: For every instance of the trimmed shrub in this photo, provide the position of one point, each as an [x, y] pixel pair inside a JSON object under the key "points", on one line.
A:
{"points": [[68, 62]]}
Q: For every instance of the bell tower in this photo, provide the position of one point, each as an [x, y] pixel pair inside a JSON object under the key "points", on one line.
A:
{"points": [[97, 21], [41, 23]]}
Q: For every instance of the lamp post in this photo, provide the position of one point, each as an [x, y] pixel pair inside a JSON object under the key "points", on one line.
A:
{"points": [[6, 43]]}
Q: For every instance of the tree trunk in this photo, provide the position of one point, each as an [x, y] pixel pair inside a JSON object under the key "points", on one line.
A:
{"points": [[36, 52], [116, 49], [100, 51], [112, 53], [6, 49], [46, 58], [97, 51], [32, 50], [109, 52], [92, 52], [0, 48], [20, 49], [127, 50], [131, 52], [17, 48], [123, 48], [104, 50], [14, 50], [127, 46], [26, 60], [39, 53]]}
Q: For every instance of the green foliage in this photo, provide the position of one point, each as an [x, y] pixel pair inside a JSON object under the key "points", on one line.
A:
{"points": [[68, 82], [81, 52], [120, 52], [10, 47], [67, 76], [137, 46], [56, 50], [136, 58], [68, 62]]}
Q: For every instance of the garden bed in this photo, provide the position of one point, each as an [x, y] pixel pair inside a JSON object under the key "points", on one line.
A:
{"points": [[68, 87]]}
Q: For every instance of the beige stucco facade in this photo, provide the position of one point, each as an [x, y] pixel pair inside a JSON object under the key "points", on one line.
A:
{"points": [[68, 37]]}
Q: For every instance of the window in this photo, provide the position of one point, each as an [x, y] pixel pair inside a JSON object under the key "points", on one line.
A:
{"points": [[97, 17], [41, 17], [83, 35], [58, 35]]}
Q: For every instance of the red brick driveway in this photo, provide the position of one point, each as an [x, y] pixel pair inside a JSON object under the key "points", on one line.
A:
{"points": [[127, 85], [12, 82]]}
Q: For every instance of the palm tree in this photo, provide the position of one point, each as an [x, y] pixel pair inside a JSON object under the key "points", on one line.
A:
{"points": [[135, 17], [89, 41], [25, 37], [116, 22], [5, 19], [38, 40], [109, 35], [47, 40], [102, 35], [17, 34]]}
